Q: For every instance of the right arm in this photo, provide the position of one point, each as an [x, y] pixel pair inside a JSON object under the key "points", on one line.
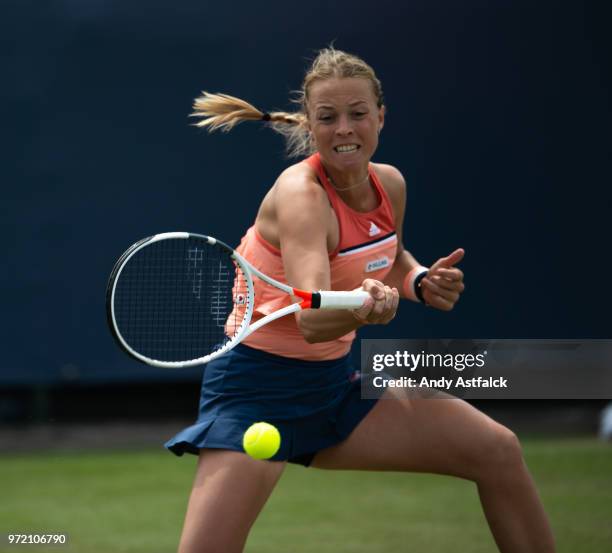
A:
{"points": [[303, 216]]}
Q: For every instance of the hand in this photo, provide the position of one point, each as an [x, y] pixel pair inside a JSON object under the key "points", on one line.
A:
{"points": [[444, 282], [381, 306]]}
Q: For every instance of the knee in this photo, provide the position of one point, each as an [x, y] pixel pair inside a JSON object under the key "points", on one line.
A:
{"points": [[504, 455], [509, 452]]}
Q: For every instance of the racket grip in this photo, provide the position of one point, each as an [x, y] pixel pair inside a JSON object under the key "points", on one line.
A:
{"points": [[343, 300]]}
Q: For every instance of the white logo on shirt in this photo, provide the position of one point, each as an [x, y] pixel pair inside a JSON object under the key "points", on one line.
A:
{"points": [[377, 264], [374, 230]]}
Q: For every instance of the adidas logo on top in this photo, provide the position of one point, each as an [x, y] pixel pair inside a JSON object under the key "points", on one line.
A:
{"points": [[374, 230]]}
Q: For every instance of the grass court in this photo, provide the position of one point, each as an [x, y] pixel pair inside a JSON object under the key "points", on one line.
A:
{"points": [[134, 501]]}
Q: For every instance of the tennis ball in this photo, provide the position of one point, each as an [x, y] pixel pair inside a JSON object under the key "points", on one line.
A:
{"points": [[261, 440]]}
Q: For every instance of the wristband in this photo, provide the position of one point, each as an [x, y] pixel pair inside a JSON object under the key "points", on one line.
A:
{"points": [[411, 288]]}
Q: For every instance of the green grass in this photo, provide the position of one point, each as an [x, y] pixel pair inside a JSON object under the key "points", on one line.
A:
{"points": [[134, 502]]}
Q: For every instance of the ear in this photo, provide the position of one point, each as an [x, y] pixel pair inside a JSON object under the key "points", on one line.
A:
{"points": [[311, 136], [306, 120], [381, 117]]}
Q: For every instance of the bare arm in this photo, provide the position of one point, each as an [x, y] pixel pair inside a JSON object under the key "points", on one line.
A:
{"points": [[303, 215], [395, 185], [443, 284]]}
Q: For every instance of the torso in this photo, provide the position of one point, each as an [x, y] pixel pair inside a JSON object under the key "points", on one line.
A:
{"points": [[362, 242], [266, 222]]}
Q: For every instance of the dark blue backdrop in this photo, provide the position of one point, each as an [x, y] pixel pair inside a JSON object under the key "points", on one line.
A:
{"points": [[498, 116]]}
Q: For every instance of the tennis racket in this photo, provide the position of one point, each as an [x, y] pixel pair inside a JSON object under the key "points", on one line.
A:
{"points": [[179, 299]]}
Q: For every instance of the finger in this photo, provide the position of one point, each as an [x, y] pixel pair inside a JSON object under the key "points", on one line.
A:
{"points": [[396, 298], [450, 274], [451, 259], [451, 285], [378, 309], [394, 305], [388, 299], [374, 287], [448, 295], [382, 307], [364, 311], [438, 302], [451, 297]]}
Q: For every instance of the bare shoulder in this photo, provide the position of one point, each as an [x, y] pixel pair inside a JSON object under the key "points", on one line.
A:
{"points": [[392, 180], [296, 205], [394, 183], [298, 178], [297, 189]]}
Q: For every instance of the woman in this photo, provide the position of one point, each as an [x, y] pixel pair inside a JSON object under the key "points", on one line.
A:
{"points": [[334, 221]]}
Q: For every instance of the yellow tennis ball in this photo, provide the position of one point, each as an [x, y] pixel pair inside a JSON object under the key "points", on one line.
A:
{"points": [[261, 440]]}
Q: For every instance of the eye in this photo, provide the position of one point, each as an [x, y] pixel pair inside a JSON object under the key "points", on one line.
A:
{"points": [[359, 113], [325, 118]]}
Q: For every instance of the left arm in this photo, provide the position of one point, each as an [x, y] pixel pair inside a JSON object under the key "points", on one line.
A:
{"points": [[443, 284]]}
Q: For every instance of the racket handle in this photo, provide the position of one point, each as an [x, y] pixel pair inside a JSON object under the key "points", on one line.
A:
{"points": [[343, 300]]}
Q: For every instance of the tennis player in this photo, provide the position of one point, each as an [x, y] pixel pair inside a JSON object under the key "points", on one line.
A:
{"points": [[333, 221]]}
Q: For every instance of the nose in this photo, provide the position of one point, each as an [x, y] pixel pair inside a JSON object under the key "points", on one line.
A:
{"points": [[344, 127]]}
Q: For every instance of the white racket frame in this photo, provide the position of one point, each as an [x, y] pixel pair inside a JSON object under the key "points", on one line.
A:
{"points": [[328, 300]]}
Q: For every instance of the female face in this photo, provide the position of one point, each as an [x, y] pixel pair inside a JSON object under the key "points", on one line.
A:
{"points": [[345, 121]]}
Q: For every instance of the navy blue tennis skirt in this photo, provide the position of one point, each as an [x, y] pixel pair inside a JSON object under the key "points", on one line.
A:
{"points": [[314, 404]]}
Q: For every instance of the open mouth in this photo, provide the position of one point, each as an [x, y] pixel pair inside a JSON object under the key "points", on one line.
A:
{"points": [[346, 148]]}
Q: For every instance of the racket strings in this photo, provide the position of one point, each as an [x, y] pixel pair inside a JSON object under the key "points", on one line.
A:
{"points": [[180, 299]]}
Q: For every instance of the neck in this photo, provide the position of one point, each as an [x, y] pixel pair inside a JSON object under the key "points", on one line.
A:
{"points": [[348, 181]]}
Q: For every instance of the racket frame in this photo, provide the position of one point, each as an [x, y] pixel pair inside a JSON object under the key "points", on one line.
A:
{"points": [[309, 300]]}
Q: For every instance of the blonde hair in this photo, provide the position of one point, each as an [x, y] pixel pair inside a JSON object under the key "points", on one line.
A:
{"points": [[224, 112]]}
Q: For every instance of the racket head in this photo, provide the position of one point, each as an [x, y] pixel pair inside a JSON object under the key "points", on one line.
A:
{"points": [[179, 299]]}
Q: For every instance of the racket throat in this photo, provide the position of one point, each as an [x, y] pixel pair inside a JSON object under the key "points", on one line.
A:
{"points": [[310, 300], [331, 299]]}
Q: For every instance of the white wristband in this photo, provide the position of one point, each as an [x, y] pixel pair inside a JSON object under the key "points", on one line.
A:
{"points": [[411, 277]]}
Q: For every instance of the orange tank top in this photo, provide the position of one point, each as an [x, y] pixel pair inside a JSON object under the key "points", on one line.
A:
{"points": [[366, 249]]}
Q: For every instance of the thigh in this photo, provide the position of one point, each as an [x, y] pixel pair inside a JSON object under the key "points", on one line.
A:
{"points": [[229, 491], [442, 434]]}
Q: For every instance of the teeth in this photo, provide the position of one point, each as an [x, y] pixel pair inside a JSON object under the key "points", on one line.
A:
{"points": [[346, 148]]}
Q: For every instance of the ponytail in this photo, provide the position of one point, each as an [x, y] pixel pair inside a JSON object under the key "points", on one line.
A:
{"points": [[223, 112]]}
